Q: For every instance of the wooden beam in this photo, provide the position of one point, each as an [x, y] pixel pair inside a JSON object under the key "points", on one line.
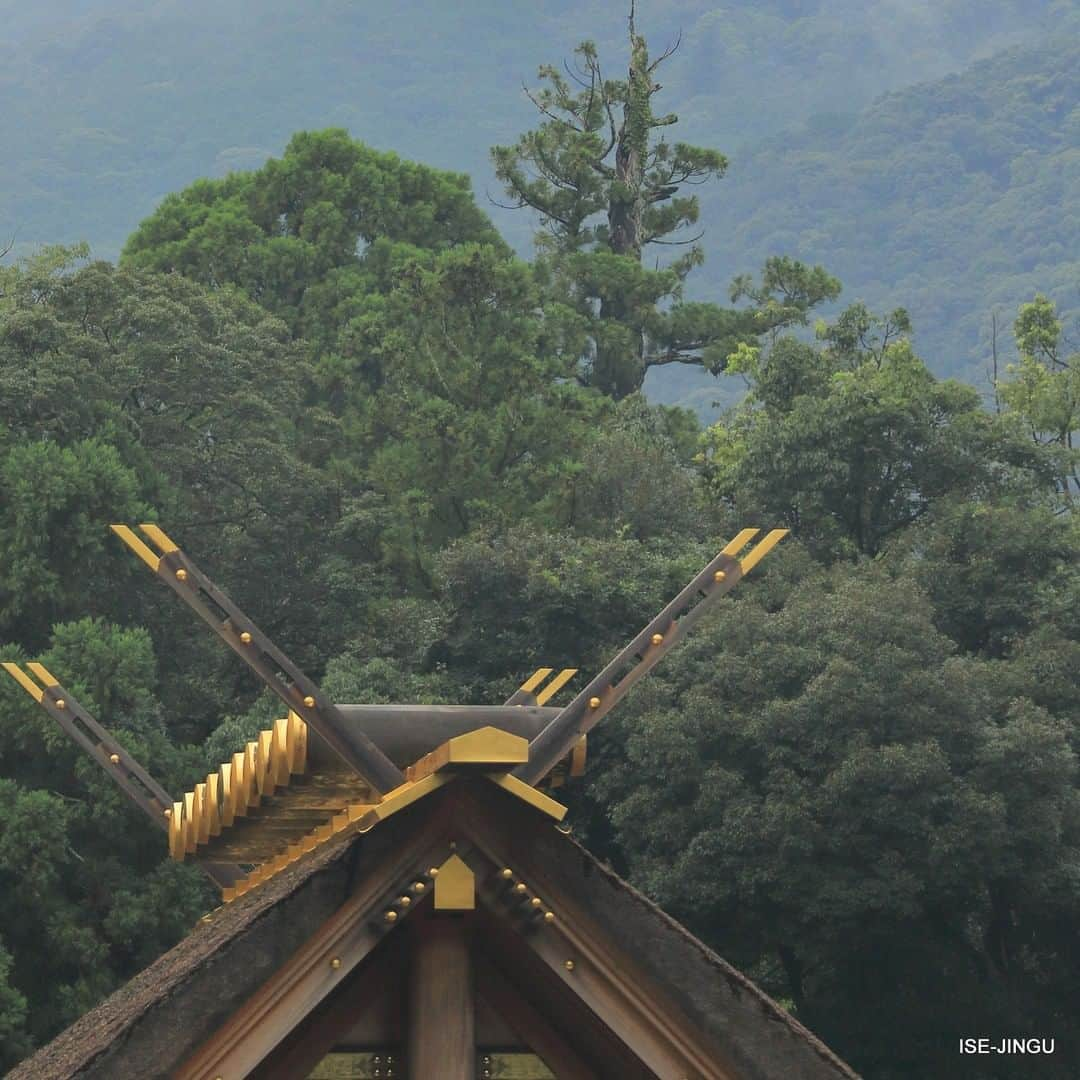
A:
{"points": [[310, 975], [442, 1022], [316, 1037], [603, 977], [638, 658], [529, 1024], [276, 670], [601, 1052], [139, 786]]}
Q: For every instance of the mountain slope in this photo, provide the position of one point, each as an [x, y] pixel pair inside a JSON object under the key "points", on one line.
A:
{"points": [[951, 196], [956, 199], [106, 105]]}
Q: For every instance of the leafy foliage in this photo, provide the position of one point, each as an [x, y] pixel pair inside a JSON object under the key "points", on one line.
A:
{"points": [[850, 445], [859, 815], [606, 183]]}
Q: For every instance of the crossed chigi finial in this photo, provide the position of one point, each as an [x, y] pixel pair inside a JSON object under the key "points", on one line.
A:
{"points": [[362, 763]]}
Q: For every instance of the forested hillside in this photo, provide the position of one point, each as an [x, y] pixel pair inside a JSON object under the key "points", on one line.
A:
{"points": [[107, 106], [422, 463], [962, 197]]}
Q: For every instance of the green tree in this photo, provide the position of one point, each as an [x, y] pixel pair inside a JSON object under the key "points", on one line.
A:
{"points": [[87, 894], [478, 420], [128, 395], [993, 569], [14, 1042], [852, 442], [606, 186], [55, 504], [636, 479], [885, 834], [1043, 390], [293, 234]]}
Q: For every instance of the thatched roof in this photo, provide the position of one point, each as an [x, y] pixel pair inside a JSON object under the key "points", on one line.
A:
{"points": [[152, 1024]]}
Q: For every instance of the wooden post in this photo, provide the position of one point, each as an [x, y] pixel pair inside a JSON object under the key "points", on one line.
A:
{"points": [[442, 1039]]}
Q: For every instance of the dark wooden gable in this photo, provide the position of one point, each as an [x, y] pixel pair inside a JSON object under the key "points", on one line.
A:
{"points": [[608, 986]]}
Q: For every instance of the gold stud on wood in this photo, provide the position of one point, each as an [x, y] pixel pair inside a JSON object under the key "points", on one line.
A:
{"points": [[181, 574], [336, 963], [114, 758], [309, 701], [719, 576], [245, 637], [658, 639], [594, 703]]}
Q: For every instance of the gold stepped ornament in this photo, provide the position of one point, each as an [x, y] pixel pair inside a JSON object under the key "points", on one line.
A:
{"points": [[265, 765]]}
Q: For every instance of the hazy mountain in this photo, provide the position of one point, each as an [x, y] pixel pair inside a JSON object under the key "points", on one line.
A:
{"points": [[106, 105], [957, 199]]}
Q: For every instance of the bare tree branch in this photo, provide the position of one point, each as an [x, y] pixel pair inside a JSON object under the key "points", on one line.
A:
{"points": [[676, 243], [554, 117], [575, 76], [669, 51]]}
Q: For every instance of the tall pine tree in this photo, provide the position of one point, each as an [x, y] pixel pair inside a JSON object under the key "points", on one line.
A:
{"points": [[607, 183]]}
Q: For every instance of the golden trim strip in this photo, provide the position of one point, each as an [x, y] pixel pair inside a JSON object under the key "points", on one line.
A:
{"points": [[43, 673], [24, 681], [741, 540], [137, 546], [157, 535], [759, 551], [535, 679], [528, 794], [556, 685], [401, 797]]}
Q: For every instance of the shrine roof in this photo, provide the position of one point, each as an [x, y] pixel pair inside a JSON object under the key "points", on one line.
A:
{"points": [[169, 1009]]}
